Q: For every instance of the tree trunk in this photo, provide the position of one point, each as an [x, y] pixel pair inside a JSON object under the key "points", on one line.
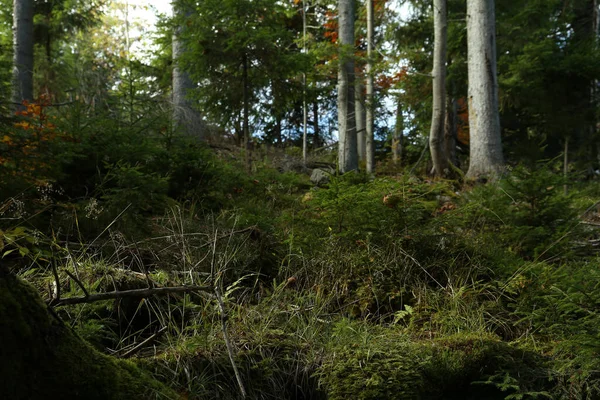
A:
{"points": [[304, 122], [398, 133], [22, 85], [278, 135], [246, 122], [451, 130], [582, 98], [361, 116], [486, 157], [185, 118], [370, 91], [304, 105], [317, 133], [347, 151], [436, 136]]}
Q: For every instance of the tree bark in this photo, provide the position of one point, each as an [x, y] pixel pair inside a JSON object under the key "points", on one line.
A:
{"points": [[361, 116], [304, 105], [398, 133], [370, 150], [185, 117], [486, 157], [347, 151], [22, 85], [246, 101], [317, 133], [436, 135], [451, 130], [582, 89]]}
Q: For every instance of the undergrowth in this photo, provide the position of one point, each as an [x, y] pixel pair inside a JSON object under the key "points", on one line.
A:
{"points": [[366, 288]]}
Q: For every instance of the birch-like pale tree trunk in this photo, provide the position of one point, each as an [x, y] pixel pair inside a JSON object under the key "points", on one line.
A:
{"points": [[370, 106], [436, 135], [451, 130], [486, 157], [347, 147], [186, 118], [361, 118], [22, 79]]}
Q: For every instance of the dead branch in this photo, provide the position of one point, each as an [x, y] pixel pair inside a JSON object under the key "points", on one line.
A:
{"points": [[135, 293], [78, 282], [136, 348]]}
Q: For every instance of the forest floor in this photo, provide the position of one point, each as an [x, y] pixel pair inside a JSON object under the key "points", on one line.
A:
{"points": [[395, 287]]}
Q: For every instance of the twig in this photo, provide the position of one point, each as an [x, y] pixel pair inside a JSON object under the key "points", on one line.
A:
{"points": [[590, 223], [131, 352], [420, 158], [212, 261], [228, 342], [107, 228], [78, 282], [141, 293], [590, 208]]}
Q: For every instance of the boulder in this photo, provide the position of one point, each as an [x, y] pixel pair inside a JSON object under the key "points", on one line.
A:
{"points": [[320, 176]]}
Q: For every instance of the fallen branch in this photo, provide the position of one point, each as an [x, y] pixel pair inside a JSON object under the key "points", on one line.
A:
{"points": [[120, 294]]}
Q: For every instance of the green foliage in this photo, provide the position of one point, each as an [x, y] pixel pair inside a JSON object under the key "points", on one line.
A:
{"points": [[355, 209], [562, 303], [235, 46], [130, 186], [528, 211], [365, 363]]}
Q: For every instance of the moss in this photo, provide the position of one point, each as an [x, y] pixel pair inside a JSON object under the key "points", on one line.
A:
{"points": [[389, 365], [42, 358]]}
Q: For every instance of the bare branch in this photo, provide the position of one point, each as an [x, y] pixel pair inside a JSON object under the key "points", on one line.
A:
{"points": [[78, 282], [139, 293], [136, 348]]}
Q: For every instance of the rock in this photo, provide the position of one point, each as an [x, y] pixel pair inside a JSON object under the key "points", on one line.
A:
{"points": [[320, 177]]}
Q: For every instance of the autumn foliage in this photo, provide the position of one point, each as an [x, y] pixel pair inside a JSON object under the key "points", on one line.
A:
{"points": [[26, 148]]}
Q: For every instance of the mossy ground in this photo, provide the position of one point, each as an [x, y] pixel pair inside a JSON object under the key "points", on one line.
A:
{"points": [[43, 359]]}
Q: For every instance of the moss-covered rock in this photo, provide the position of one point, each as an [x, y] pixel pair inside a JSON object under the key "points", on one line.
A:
{"points": [[42, 358]]}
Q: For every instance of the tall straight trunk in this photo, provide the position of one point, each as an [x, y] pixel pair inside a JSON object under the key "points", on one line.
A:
{"points": [[278, 135], [185, 117], [486, 157], [360, 113], [245, 99], [277, 115], [398, 133], [451, 130], [347, 151], [370, 91], [436, 135], [304, 122], [304, 106], [595, 91], [582, 87], [316, 130], [22, 76]]}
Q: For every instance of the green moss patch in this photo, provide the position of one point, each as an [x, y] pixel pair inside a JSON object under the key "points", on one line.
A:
{"points": [[42, 358]]}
